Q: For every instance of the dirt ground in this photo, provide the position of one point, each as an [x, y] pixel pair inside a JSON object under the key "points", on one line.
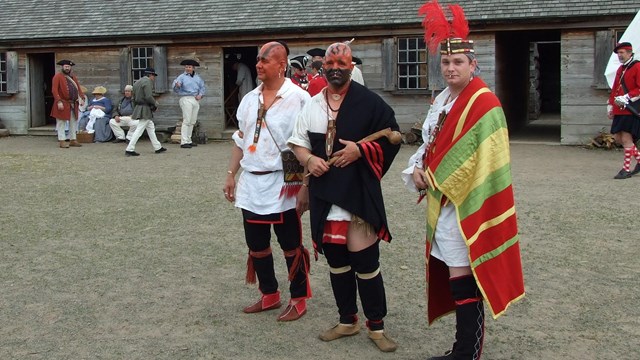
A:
{"points": [[108, 257]]}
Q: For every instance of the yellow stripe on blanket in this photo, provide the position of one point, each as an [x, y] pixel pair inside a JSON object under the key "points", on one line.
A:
{"points": [[458, 192]]}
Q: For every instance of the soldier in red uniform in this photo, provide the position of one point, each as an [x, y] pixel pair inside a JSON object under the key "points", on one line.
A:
{"points": [[626, 121]]}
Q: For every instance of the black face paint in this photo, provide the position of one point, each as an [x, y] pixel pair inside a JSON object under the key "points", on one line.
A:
{"points": [[338, 77]]}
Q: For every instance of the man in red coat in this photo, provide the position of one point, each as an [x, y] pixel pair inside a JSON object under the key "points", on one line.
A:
{"points": [[67, 96], [626, 125]]}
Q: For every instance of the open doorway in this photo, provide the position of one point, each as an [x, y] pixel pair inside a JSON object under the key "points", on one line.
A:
{"points": [[244, 55], [528, 83], [41, 71]]}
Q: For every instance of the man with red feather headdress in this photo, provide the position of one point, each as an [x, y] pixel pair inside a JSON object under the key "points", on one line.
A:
{"points": [[463, 169]]}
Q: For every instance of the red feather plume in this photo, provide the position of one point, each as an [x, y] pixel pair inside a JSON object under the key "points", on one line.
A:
{"points": [[435, 24], [459, 24]]}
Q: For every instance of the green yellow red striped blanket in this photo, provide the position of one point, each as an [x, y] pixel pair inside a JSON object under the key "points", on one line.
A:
{"points": [[469, 165]]}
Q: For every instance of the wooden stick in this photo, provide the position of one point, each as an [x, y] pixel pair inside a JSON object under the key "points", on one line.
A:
{"points": [[394, 138]]}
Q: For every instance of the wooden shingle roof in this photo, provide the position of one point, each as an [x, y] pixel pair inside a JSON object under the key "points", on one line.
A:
{"points": [[36, 20]]}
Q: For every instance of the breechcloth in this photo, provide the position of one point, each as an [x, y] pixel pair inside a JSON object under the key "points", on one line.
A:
{"points": [[288, 229], [353, 272]]}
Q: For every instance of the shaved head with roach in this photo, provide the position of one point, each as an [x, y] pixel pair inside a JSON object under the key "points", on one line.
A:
{"points": [[271, 63]]}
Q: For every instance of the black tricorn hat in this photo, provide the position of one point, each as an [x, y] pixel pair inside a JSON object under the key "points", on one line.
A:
{"points": [[316, 52], [623, 45], [65, 62], [150, 71], [299, 62], [356, 60], [190, 62]]}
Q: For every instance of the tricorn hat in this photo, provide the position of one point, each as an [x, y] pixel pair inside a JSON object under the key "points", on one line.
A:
{"points": [[65, 62], [190, 62], [623, 46], [299, 62], [316, 52], [150, 71], [99, 90]]}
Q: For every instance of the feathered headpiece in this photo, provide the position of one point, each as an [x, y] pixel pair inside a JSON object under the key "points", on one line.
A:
{"points": [[451, 36]]}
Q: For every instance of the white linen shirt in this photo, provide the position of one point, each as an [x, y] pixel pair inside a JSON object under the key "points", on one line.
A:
{"points": [[314, 118], [260, 194], [448, 244]]}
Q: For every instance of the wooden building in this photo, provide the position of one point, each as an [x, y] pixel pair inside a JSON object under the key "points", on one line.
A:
{"points": [[543, 58]]}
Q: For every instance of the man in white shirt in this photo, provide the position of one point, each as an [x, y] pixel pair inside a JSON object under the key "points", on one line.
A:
{"points": [[262, 192]]}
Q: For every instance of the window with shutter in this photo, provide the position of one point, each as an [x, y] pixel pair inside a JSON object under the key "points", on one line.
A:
{"points": [[603, 48], [134, 60], [406, 65]]}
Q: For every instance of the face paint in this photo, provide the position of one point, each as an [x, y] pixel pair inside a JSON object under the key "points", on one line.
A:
{"points": [[337, 66], [269, 62], [338, 77]]}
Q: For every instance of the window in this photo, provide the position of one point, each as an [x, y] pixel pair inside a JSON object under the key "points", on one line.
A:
{"points": [[412, 64], [141, 58], [3, 72], [133, 61]]}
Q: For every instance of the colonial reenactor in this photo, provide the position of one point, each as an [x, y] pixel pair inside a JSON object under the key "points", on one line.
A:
{"points": [[145, 106], [463, 169], [67, 97], [626, 120], [122, 117], [190, 87], [299, 74]]}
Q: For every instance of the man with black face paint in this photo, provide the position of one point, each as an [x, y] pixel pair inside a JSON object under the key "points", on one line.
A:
{"points": [[348, 218]]}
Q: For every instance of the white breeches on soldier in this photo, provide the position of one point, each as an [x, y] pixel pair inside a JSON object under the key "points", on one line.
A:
{"points": [[190, 107], [151, 132], [116, 127], [73, 127]]}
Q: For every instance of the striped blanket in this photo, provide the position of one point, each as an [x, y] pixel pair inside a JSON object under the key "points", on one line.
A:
{"points": [[469, 166]]}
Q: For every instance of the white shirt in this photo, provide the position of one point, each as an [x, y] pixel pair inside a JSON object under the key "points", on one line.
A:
{"points": [[447, 229], [314, 118], [356, 75], [261, 193], [244, 80]]}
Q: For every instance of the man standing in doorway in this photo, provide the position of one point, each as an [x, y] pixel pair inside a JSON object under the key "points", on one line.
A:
{"points": [[190, 87], [625, 126], [244, 79], [67, 95]]}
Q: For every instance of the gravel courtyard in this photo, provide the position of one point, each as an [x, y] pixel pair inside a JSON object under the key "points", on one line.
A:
{"points": [[108, 257]]}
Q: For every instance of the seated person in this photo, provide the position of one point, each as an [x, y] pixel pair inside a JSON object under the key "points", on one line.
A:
{"points": [[122, 117], [99, 114]]}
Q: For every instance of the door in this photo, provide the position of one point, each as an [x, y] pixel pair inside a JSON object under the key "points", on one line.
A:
{"points": [[233, 55], [41, 68]]}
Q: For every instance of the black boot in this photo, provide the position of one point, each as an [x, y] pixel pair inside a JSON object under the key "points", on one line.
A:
{"points": [[469, 320]]}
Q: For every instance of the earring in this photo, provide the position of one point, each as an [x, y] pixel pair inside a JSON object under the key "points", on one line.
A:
{"points": [[279, 74]]}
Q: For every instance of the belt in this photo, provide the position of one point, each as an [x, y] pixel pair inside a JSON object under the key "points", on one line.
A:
{"points": [[262, 172]]}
